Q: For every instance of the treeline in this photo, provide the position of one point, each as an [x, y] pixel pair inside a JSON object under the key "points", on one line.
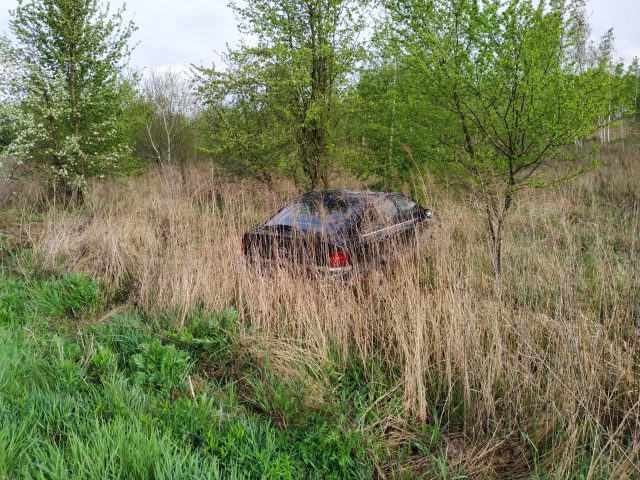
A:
{"points": [[489, 94]]}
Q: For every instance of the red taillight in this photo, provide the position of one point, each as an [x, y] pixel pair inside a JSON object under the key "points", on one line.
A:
{"points": [[244, 245], [338, 259]]}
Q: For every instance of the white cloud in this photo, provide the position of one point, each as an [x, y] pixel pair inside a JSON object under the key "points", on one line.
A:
{"points": [[184, 32], [181, 33], [623, 17]]}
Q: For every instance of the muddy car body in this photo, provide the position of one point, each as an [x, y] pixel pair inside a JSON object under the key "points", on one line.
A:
{"points": [[338, 231]]}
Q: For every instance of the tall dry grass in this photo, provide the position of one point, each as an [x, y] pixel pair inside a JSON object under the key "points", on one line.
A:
{"points": [[543, 369]]}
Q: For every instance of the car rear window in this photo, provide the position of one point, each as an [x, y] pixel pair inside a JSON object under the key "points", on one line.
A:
{"points": [[315, 212]]}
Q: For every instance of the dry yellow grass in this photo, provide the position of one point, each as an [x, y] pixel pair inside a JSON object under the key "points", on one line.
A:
{"points": [[549, 360]]}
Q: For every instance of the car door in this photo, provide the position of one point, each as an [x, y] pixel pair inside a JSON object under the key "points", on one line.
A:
{"points": [[409, 216], [379, 231]]}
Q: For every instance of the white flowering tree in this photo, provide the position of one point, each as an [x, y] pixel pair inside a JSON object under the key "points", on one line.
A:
{"points": [[6, 110], [69, 59]]}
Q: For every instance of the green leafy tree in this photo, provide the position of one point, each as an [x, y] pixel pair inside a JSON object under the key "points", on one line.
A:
{"points": [[632, 88], [395, 127], [276, 106], [70, 57], [387, 115], [503, 78]]}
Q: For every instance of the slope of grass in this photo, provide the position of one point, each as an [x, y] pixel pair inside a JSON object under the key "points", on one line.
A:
{"points": [[86, 394]]}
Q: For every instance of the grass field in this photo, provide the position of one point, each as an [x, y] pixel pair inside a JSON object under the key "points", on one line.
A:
{"points": [[136, 343]]}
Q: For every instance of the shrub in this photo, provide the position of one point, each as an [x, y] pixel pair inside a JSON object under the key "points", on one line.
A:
{"points": [[163, 367], [330, 452]]}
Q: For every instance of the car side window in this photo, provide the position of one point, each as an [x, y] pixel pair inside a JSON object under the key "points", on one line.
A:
{"points": [[379, 215], [407, 208]]}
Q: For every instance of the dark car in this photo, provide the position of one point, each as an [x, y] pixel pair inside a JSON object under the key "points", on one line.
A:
{"points": [[338, 231]]}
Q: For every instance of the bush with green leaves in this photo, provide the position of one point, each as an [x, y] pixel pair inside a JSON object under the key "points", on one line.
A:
{"points": [[163, 367]]}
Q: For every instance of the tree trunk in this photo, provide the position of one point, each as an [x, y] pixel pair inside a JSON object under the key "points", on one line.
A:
{"points": [[183, 174], [393, 113], [496, 220], [309, 158], [496, 250], [314, 132], [66, 194], [635, 103]]}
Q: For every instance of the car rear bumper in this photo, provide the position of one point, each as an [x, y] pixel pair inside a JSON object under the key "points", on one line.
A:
{"points": [[266, 264], [336, 271]]}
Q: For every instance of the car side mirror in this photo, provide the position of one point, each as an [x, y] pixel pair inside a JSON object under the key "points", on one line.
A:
{"points": [[425, 213]]}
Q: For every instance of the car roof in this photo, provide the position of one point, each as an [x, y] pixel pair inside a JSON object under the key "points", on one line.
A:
{"points": [[357, 200], [359, 196]]}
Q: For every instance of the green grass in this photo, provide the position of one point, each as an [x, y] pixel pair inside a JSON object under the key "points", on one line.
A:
{"points": [[84, 395], [89, 391]]}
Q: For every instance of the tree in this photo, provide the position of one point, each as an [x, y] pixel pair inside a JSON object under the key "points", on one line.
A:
{"points": [[276, 105], [70, 57], [7, 104], [7, 126], [631, 88], [169, 122], [503, 79], [393, 125]]}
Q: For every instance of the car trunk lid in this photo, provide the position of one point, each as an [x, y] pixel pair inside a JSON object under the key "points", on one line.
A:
{"points": [[289, 245]]}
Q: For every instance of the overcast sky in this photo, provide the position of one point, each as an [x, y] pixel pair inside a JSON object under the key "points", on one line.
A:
{"points": [[177, 33]]}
